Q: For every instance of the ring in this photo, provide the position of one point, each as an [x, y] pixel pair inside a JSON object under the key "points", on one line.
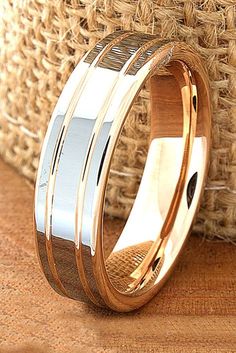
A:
{"points": [[75, 163]]}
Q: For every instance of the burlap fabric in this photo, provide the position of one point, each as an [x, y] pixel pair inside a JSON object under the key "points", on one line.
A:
{"points": [[41, 41]]}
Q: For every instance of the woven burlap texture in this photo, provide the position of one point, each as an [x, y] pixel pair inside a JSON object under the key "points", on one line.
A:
{"points": [[41, 41]]}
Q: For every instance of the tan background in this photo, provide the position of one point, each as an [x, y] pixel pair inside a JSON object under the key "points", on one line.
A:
{"points": [[194, 313], [41, 41]]}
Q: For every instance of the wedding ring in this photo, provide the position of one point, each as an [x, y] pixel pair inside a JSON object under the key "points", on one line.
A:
{"points": [[75, 163]]}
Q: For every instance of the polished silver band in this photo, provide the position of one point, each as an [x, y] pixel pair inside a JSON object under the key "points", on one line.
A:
{"points": [[76, 157]]}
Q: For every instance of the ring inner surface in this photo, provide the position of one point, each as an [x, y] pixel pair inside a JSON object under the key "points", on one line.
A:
{"points": [[131, 266]]}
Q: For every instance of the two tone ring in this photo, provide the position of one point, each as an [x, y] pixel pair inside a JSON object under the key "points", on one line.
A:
{"points": [[75, 163]]}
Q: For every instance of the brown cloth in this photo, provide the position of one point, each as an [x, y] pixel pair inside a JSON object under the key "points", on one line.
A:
{"points": [[194, 312]]}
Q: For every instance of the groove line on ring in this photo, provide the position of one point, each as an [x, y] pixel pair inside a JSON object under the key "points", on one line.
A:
{"points": [[57, 152], [82, 185], [93, 139]]}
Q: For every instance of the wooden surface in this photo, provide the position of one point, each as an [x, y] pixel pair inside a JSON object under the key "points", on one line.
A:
{"points": [[194, 312]]}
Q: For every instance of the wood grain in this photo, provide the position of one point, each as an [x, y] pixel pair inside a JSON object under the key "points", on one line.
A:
{"points": [[194, 312]]}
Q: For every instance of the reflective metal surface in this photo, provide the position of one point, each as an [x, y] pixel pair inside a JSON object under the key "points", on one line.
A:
{"points": [[74, 168]]}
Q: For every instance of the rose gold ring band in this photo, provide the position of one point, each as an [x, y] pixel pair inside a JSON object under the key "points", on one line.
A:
{"points": [[75, 163]]}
